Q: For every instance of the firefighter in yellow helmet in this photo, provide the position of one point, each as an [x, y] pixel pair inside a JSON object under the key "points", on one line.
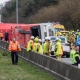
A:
{"points": [[30, 44], [47, 46], [50, 45], [58, 51], [72, 54], [35, 48], [40, 50]]}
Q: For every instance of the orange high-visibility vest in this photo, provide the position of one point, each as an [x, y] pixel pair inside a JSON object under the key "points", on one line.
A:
{"points": [[14, 46], [1, 34]]}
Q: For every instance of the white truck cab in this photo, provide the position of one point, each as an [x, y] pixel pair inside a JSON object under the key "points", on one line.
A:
{"points": [[43, 30]]}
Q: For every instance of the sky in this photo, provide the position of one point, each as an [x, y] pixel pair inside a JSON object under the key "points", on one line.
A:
{"points": [[3, 1]]}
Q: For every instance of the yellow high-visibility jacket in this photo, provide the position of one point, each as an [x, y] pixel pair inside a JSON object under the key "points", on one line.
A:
{"points": [[45, 48], [40, 49], [30, 45], [35, 47], [58, 49], [72, 54]]}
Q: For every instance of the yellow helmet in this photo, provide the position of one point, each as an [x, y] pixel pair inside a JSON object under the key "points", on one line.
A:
{"points": [[36, 39], [60, 33], [59, 40], [73, 31]]}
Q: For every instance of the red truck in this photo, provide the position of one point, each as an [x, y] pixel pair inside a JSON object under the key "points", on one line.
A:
{"points": [[23, 32]]}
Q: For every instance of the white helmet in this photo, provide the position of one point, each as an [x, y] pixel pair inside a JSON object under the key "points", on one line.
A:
{"points": [[57, 38], [32, 37], [47, 38], [40, 40]]}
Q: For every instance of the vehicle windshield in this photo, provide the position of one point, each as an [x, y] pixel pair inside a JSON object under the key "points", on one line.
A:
{"points": [[58, 29], [64, 32], [54, 39], [63, 40]]}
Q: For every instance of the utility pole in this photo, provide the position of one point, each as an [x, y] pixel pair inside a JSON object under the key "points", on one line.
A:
{"points": [[1, 5], [17, 11], [0, 18]]}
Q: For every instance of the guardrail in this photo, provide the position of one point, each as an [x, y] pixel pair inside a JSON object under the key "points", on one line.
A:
{"points": [[60, 70]]}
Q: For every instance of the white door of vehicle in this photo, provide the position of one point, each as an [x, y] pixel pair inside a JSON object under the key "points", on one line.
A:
{"points": [[47, 30]]}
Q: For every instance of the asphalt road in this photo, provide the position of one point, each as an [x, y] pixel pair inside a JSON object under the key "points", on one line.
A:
{"points": [[66, 60]]}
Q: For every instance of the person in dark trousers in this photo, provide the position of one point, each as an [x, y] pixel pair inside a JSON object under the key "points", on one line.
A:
{"points": [[6, 36], [1, 35], [14, 47], [78, 41], [77, 59]]}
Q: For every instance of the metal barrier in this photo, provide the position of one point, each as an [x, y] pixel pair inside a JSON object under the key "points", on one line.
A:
{"points": [[60, 70]]}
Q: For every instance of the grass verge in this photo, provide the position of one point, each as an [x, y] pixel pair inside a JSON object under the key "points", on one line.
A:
{"points": [[22, 71]]}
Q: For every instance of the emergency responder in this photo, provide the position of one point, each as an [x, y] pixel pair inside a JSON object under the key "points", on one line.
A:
{"points": [[35, 48], [55, 34], [6, 36], [47, 46], [40, 50], [58, 33], [72, 39], [50, 46], [1, 35], [76, 59], [67, 36], [75, 56], [14, 47], [58, 50], [72, 53], [30, 44], [78, 41], [76, 35]]}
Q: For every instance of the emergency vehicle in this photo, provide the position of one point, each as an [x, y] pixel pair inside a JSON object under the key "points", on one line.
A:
{"points": [[58, 27], [23, 32]]}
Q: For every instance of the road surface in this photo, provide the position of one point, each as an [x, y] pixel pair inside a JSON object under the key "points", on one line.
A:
{"points": [[67, 60], [64, 59]]}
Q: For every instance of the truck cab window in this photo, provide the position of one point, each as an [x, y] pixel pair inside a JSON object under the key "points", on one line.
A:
{"points": [[50, 32], [36, 31], [45, 34]]}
